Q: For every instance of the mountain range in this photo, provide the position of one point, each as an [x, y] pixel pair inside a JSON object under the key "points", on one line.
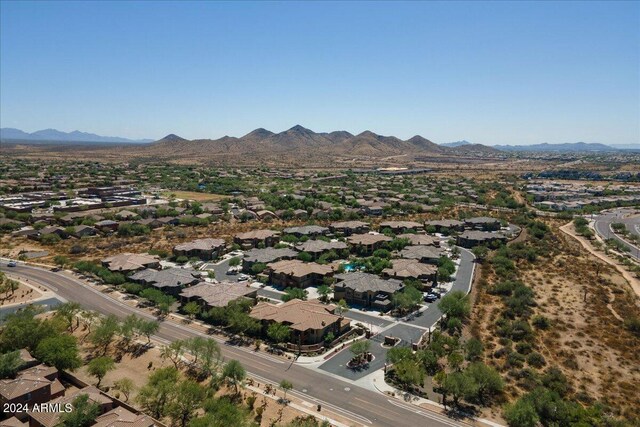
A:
{"points": [[566, 147], [56, 135], [456, 143], [298, 140], [302, 141]]}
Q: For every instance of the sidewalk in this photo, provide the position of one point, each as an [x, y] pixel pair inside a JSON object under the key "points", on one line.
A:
{"points": [[308, 360], [377, 379]]}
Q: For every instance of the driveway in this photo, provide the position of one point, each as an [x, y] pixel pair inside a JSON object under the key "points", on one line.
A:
{"points": [[221, 268]]}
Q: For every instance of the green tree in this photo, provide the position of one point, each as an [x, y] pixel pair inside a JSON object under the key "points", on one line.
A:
{"points": [[158, 393], [234, 373], [473, 349], [360, 348], [406, 300], [235, 261], [99, 367], [240, 322], [147, 328], [429, 361], [324, 291], [192, 309], [278, 332], [10, 364], [285, 385], [294, 293], [125, 386], [455, 304], [521, 414], [129, 329], [454, 360], [480, 252], [60, 351], [409, 372], [223, 412], [258, 268], [69, 311], [487, 380], [105, 332], [397, 354], [187, 399], [458, 385], [305, 256], [341, 308], [173, 352], [23, 329], [84, 413], [206, 353]]}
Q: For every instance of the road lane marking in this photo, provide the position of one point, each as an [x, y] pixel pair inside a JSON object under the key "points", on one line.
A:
{"points": [[129, 310], [426, 413], [172, 330], [317, 401]]}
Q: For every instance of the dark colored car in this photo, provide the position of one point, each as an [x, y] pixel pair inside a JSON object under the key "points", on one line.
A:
{"points": [[430, 298]]}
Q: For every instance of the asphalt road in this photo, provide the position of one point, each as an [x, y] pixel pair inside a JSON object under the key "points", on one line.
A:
{"points": [[603, 223], [363, 406]]}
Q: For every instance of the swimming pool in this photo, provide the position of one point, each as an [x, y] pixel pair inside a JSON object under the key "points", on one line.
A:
{"points": [[350, 267]]}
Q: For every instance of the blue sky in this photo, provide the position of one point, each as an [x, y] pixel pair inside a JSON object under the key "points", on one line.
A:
{"points": [[488, 72]]}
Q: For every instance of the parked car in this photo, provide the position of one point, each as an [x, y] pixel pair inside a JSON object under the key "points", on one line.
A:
{"points": [[430, 298], [12, 264], [243, 277]]}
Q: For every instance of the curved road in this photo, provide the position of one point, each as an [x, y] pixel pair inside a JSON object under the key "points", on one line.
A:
{"points": [[603, 222], [363, 406]]}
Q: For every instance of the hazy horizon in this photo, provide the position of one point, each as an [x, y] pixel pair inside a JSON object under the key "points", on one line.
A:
{"points": [[490, 73]]}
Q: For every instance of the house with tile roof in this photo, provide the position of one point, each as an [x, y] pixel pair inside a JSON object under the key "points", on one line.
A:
{"points": [[256, 238], [128, 262], [204, 249], [306, 230], [426, 254], [170, 280], [38, 384], [410, 269], [122, 417], [318, 247], [366, 290], [265, 256], [53, 418], [297, 274], [420, 239], [210, 295], [401, 226], [347, 228], [310, 321], [366, 244]]}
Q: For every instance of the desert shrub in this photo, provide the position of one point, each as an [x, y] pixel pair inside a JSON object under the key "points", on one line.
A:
{"points": [[523, 347], [541, 322], [536, 360], [515, 360]]}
